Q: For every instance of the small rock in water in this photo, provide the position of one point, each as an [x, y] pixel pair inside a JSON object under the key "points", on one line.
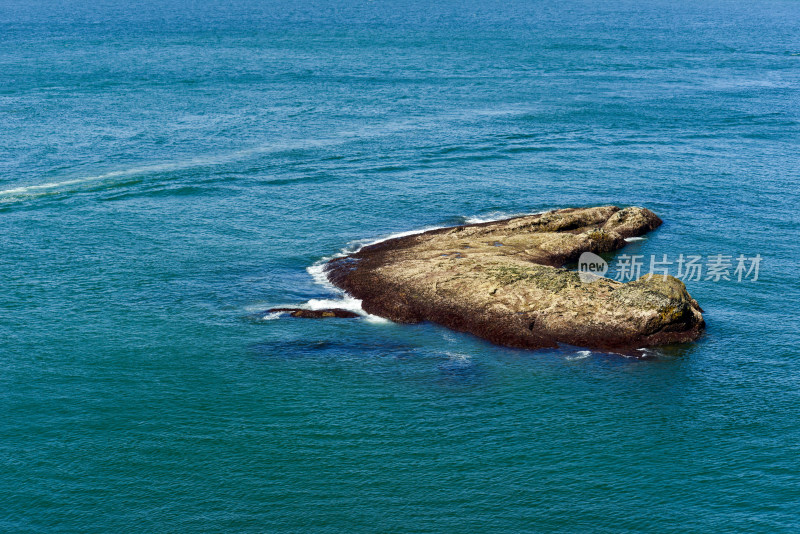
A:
{"points": [[315, 314]]}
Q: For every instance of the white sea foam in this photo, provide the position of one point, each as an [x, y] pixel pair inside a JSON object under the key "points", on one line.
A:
{"points": [[30, 190], [450, 338], [459, 359], [580, 355], [355, 246], [344, 301], [632, 239], [317, 272], [497, 216], [375, 319], [42, 189], [201, 161]]}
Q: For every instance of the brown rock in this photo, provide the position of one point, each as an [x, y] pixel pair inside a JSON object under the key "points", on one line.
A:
{"points": [[503, 281]]}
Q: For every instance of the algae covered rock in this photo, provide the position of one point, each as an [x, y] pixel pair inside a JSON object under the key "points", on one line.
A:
{"points": [[504, 281]]}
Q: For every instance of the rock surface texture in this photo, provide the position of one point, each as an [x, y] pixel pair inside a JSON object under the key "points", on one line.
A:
{"points": [[504, 281]]}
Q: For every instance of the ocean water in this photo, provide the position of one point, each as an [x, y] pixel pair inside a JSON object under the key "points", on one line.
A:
{"points": [[170, 169]]}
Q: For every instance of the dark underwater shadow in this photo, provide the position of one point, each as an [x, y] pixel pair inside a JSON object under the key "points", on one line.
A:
{"points": [[288, 350], [418, 364]]}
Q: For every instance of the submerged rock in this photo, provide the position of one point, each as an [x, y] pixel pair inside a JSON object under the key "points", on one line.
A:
{"points": [[315, 314], [504, 281]]}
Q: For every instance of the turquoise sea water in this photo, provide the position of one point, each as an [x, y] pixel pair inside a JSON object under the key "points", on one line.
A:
{"points": [[167, 169]]}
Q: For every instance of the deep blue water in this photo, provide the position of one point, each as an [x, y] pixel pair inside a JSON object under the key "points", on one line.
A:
{"points": [[169, 168]]}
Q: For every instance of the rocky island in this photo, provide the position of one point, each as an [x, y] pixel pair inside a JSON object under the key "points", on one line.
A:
{"points": [[505, 281]]}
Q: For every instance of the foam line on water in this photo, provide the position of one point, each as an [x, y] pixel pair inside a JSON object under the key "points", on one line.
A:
{"points": [[355, 246], [344, 136], [497, 216], [28, 191], [201, 161], [317, 272], [144, 169]]}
